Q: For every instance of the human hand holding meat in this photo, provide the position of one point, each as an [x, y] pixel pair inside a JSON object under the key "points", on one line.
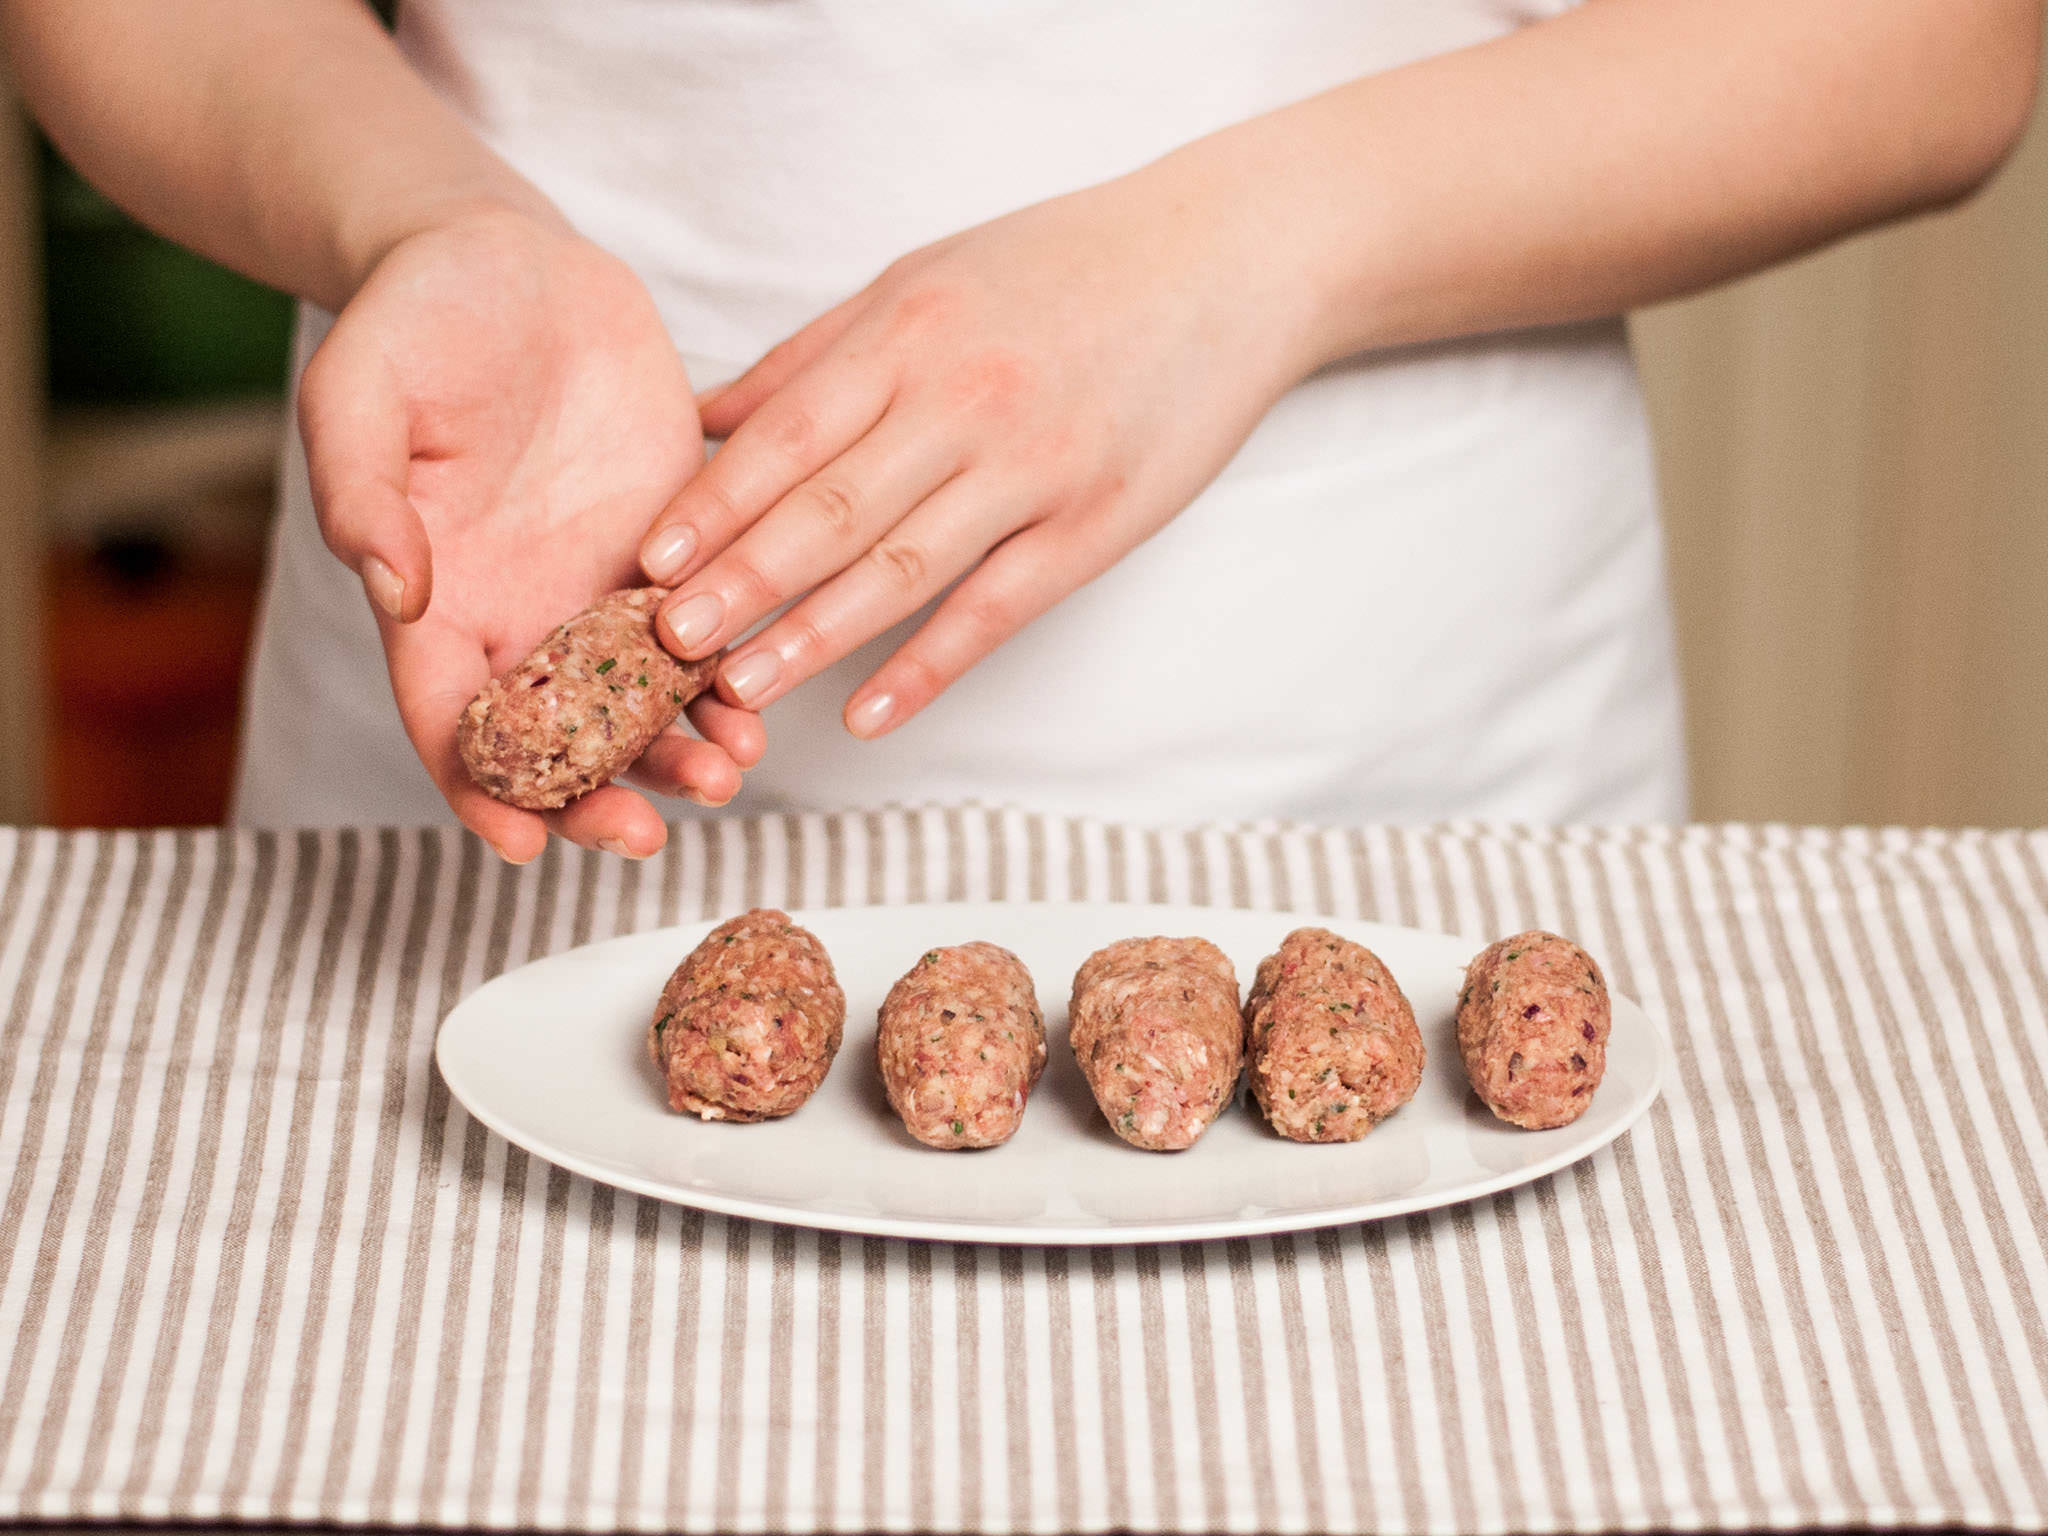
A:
{"points": [[490, 426], [1018, 406]]}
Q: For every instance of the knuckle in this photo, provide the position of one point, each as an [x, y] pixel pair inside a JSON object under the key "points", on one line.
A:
{"points": [[835, 505], [995, 384], [926, 307], [986, 619], [754, 585], [791, 430], [806, 640], [902, 562], [715, 498], [916, 676]]}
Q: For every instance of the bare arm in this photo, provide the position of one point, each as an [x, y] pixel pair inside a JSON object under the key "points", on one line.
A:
{"points": [[1624, 152], [1069, 402], [291, 142]]}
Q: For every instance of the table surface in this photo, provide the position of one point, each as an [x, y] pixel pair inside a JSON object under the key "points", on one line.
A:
{"points": [[255, 1266]]}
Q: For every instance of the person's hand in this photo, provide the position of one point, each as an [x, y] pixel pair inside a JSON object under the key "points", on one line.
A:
{"points": [[490, 426], [1019, 405]]}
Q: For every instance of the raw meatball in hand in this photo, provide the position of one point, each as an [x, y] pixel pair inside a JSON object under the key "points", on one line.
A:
{"points": [[580, 710]]}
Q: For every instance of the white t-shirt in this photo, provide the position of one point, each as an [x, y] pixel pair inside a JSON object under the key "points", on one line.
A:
{"points": [[1430, 585]]}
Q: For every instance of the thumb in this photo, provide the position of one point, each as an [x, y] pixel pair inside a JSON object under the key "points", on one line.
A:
{"points": [[352, 418]]}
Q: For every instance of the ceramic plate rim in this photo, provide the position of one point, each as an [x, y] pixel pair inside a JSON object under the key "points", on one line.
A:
{"points": [[1112, 1233]]}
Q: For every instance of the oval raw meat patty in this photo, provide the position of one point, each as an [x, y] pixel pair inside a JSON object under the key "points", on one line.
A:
{"points": [[749, 1023], [1532, 1028], [581, 709], [1334, 1044], [960, 1043], [1155, 1026]]}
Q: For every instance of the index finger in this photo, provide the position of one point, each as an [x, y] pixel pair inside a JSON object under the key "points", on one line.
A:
{"points": [[804, 426]]}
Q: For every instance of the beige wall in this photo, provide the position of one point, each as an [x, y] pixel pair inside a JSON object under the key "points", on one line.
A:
{"points": [[1855, 457]]}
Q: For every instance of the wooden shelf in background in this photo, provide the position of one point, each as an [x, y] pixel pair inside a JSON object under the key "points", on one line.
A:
{"points": [[137, 465]]}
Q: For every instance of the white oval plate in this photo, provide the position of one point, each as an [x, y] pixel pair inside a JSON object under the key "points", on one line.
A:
{"points": [[553, 1057]]}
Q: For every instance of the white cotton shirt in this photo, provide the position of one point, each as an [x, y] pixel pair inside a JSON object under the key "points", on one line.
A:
{"points": [[1430, 585]]}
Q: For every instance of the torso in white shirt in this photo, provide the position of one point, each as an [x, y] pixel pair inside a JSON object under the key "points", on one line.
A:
{"points": [[1430, 585]]}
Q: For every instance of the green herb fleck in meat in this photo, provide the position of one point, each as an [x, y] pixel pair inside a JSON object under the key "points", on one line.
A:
{"points": [[958, 1127], [606, 665], [640, 681]]}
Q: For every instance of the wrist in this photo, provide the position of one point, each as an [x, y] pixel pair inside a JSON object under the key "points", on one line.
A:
{"points": [[516, 209], [1291, 215]]}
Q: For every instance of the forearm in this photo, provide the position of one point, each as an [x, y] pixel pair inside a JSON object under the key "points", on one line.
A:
{"points": [[291, 142], [1623, 153]]}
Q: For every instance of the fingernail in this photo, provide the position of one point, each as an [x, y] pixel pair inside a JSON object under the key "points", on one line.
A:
{"points": [[869, 716], [385, 586], [667, 551], [753, 674], [615, 845], [693, 622], [515, 863]]}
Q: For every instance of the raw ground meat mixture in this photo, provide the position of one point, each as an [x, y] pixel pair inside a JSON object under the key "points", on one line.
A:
{"points": [[749, 1023], [960, 1044], [1155, 1026], [1334, 1044], [1532, 1028], [581, 709]]}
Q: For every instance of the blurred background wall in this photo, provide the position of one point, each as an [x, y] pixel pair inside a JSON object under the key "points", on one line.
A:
{"points": [[1854, 450]]}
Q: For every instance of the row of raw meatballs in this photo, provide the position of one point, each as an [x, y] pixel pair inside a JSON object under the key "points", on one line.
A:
{"points": [[749, 1024]]}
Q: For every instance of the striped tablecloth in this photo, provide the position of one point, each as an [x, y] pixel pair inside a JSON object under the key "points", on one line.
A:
{"points": [[255, 1265]]}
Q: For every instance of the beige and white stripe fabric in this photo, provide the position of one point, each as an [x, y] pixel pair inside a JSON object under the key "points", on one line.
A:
{"points": [[254, 1265]]}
